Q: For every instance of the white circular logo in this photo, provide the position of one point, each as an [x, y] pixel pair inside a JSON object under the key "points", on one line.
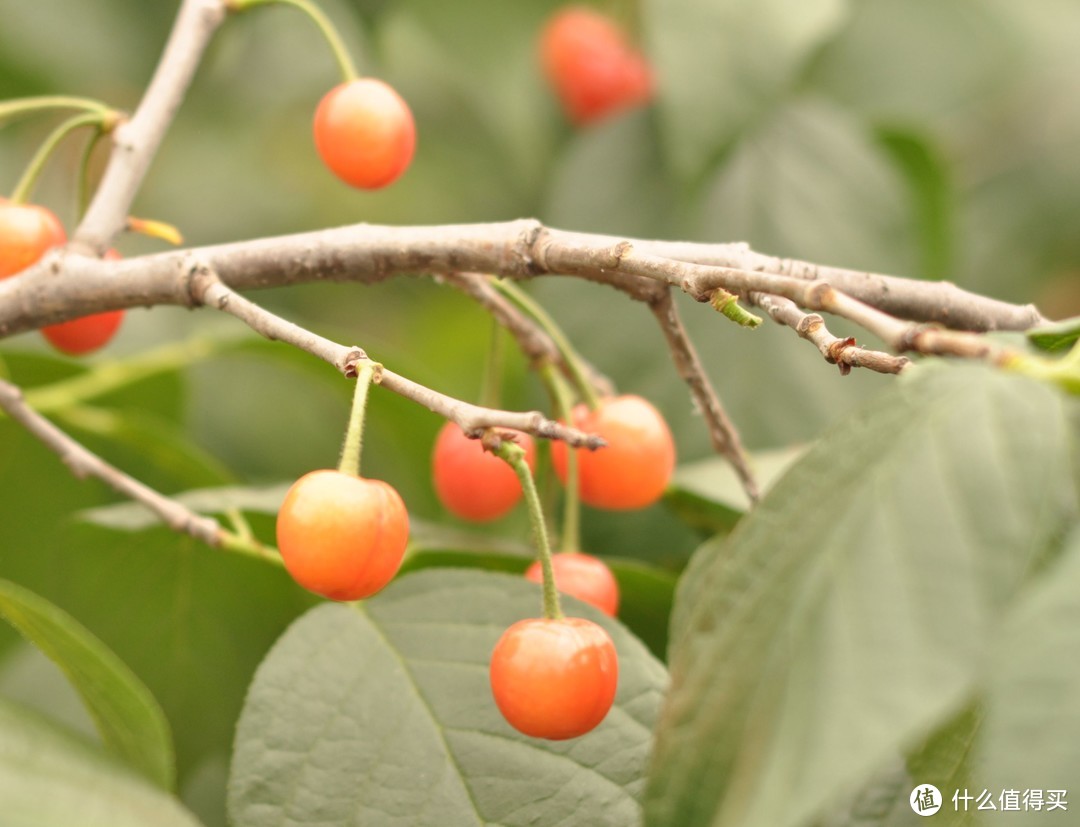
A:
{"points": [[925, 799]]}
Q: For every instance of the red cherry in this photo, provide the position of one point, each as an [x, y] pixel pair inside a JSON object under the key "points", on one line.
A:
{"points": [[472, 483], [365, 133], [26, 232], [77, 337], [635, 467], [554, 679], [342, 536], [582, 576], [592, 67]]}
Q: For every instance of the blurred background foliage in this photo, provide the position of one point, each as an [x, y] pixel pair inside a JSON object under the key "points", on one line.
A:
{"points": [[915, 137]]}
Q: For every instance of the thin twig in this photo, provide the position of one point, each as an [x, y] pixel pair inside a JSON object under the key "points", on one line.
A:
{"points": [[208, 289], [844, 353], [135, 143], [83, 463], [722, 432]]}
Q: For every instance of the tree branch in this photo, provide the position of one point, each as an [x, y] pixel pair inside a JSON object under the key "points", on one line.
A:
{"points": [[135, 143], [208, 289], [722, 432], [84, 463], [837, 351]]}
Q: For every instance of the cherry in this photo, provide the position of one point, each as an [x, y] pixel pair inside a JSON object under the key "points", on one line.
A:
{"points": [[472, 483], [592, 67], [582, 576], [26, 232], [365, 133], [634, 468], [88, 333], [342, 536], [554, 679]]}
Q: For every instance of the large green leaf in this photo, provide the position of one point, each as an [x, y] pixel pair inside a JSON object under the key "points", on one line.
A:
{"points": [[50, 778], [1031, 732], [129, 719], [848, 617], [721, 64], [381, 713]]}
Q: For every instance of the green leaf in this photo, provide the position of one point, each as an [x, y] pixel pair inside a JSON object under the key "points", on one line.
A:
{"points": [[130, 721], [50, 778], [1056, 335], [811, 182], [849, 616], [1033, 689], [720, 65], [381, 713], [931, 197], [708, 494], [610, 179]]}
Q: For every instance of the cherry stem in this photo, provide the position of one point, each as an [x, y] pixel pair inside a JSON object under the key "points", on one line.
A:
{"points": [[84, 170], [560, 396], [26, 106], [514, 454], [354, 437], [33, 170], [325, 26], [491, 384], [570, 356]]}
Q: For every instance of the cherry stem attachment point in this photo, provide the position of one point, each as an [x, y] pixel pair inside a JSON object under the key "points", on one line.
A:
{"points": [[514, 454], [319, 18], [561, 398], [366, 373], [104, 121], [570, 356]]}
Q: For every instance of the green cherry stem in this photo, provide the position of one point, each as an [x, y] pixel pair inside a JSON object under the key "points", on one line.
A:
{"points": [[514, 454], [570, 356], [48, 146], [41, 103], [491, 383], [560, 396], [319, 18], [84, 170], [354, 437]]}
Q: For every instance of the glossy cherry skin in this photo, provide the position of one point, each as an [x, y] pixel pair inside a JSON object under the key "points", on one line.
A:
{"points": [[591, 65], [554, 679], [365, 133], [472, 483], [582, 576], [88, 333], [635, 467], [26, 232], [342, 536]]}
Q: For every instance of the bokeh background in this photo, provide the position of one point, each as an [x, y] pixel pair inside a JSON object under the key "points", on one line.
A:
{"points": [[916, 137]]}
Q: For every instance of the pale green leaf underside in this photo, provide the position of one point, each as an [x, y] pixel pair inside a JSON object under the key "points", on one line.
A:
{"points": [[849, 616]]}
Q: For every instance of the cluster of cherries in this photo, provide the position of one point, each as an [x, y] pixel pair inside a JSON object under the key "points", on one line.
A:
{"points": [[344, 537]]}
